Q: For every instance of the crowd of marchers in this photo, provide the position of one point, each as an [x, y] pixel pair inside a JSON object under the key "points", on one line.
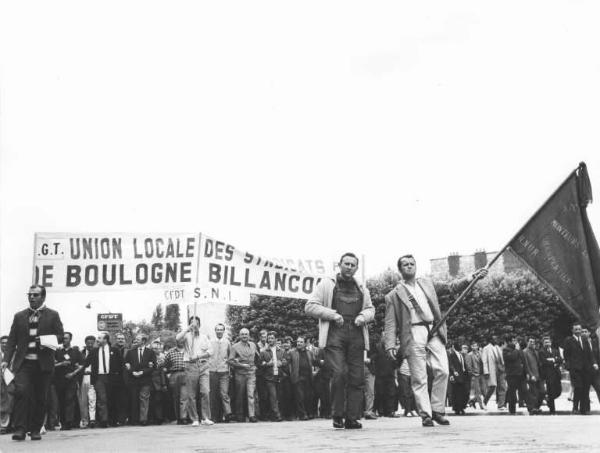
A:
{"points": [[231, 377]]}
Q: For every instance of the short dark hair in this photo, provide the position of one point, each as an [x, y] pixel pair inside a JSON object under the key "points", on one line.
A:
{"points": [[288, 339], [399, 263], [41, 288], [69, 334], [272, 332], [4, 337], [301, 336], [192, 318], [351, 255], [89, 337], [219, 324]]}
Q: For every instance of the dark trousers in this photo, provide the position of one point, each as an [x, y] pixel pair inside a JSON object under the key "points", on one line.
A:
{"points": [[66, 391], [139, 402], [535, 394], [263, 396], [304, 395], [157, 405], [105, 398], [31, 393], [460, 396], [386, 396], [286, 397], [344, 357], [322, 395], [514, 383], [122, 400], [581, 382], [273, 391]]}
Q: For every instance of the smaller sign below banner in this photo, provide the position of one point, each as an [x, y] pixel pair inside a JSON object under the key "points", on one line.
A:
{"points": [[111, 322], [220, 295]]}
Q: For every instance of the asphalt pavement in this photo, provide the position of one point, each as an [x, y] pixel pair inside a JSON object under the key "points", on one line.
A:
{"points": [[477, 431]]}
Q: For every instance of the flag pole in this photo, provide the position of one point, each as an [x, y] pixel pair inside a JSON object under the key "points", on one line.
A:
{"points": [[468, 289]]}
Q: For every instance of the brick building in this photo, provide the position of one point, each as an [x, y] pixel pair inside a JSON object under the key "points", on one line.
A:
{"points": [[455, 265]]}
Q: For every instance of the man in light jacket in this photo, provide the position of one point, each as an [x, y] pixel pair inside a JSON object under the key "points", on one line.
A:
{"points": [[343, 307]]}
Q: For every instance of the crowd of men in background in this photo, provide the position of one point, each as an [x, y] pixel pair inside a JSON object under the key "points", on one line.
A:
{"points": [[199, 380]]}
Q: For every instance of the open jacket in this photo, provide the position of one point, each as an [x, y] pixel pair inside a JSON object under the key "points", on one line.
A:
{"points": [[16, 347], [319, 306], [397, 313]]}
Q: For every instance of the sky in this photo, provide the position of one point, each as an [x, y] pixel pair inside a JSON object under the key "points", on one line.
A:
{"points": [[289, 129]]}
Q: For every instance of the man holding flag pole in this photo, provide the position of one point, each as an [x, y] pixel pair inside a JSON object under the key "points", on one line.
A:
{"points": [[557, 244]]}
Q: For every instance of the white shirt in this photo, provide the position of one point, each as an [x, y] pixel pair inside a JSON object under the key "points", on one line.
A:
{"points": [[106, 356], [417, 292], [275, 369]]}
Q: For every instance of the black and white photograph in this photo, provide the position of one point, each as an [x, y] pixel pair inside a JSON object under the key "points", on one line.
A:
{"points": [[316, 226]]}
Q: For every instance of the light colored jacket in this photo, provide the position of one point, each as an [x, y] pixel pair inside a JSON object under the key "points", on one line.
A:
{"points": [[397, 313], [319, 306]]}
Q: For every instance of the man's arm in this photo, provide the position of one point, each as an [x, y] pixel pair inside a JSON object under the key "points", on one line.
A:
{"points": [[10, 344], [368, 312], [315, 305], [390, 326]]}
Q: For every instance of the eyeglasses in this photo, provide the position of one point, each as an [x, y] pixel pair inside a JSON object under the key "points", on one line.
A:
{"points": [[34, 294]]}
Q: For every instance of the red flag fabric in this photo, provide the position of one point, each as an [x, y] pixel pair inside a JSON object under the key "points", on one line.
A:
{"points": [[559, 246]]}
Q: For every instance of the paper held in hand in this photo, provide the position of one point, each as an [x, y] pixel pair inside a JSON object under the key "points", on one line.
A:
{"points": [[49, 341], [8, 376]]}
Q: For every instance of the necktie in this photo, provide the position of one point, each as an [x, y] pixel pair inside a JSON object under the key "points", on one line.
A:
{"points": [[103, 360], [462, 362], [140, 354]]}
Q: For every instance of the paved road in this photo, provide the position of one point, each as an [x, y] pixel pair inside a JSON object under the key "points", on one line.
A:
{"points": [[478, 431]]}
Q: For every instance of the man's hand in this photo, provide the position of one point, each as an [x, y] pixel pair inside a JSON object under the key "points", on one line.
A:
{"points": [[367, 361], [359, 321], [451, 378], [456, 373], [595, 367], [479, 273], [128, 366], [339, 320], [392, 353], [3, 366], [69, 376], [137, 373]]}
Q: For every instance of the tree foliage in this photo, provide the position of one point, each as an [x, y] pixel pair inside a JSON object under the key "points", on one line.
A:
{"points": [[157, 317], [172, 318], [515, 304]]}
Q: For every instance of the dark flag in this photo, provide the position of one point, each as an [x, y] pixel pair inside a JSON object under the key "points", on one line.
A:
{"points": [[559, 246]]}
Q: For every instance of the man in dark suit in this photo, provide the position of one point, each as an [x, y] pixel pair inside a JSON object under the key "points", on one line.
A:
{"points": [[106, 368], [575, 361], [139, 362], [550, 361], [68, 359], [411, 309], [271, 362], [32, 363], [301, 367], [458, 379]]}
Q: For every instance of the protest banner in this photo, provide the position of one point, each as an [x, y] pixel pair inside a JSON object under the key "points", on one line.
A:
{"points": [[186, 267], [116, 261]]}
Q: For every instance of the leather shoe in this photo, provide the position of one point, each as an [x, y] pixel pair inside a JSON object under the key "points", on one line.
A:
{"points": [[338, 422], [18, 435], [35, 435], [427, 422], [352, 424], [253, 419], [370, 416], [440, 419]]}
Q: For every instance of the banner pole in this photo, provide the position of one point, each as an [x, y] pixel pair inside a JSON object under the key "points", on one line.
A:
{"points": [[468, 289], [33, 259]]}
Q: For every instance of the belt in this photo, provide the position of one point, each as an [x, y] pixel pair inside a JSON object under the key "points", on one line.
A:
{"points": [[196, 361], [423, 323]]}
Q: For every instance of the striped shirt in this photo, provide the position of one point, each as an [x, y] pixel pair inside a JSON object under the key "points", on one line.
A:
{"points": [[32, 345], [173, 360]]}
